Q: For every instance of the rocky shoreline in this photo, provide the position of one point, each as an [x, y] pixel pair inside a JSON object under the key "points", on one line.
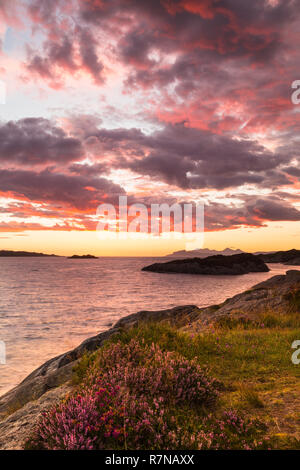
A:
{"points": [[21, 406], [212, 265], [290, 257]]}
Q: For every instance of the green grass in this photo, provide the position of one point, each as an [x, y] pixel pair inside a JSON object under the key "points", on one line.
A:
{"points": [[250, 396], [294, 300], [251, 358], [231, 354]]}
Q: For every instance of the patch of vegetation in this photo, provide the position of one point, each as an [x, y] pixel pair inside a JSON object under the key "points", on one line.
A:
{"points": [[215, 307], [294, 300], [251, 397], [264, 320], [79, 371], [242, 366], [137, 396]]}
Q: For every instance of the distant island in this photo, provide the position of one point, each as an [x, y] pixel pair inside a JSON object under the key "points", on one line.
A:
{"points": [[213, 265], [290, 257], [16, 254], [82, 257]]}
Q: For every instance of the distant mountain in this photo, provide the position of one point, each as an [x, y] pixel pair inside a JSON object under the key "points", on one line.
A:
{"points": [[203, 253], [16, 254]]}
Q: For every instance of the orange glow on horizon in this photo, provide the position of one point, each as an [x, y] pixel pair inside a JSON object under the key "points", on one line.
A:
{"points": [[274, 237]]}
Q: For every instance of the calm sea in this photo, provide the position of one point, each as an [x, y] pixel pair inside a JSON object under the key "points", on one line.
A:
{"points": [[50, 305]]}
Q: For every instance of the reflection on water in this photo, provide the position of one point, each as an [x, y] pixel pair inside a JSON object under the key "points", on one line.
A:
{"points": [[48, 306]]}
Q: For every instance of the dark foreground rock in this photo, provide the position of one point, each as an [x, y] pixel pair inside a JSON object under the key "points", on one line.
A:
{"points": [[213, 265], [49, 382]]}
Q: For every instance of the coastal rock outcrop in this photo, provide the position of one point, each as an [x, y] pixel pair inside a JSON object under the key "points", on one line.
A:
{"points": [[22, 254], [213, 265], [16, 427], [290, 257], [280, 294]]}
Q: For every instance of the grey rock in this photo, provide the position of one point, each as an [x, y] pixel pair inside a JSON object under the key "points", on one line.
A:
{"points": [[270, 295], [177, 316], [16, 428]]}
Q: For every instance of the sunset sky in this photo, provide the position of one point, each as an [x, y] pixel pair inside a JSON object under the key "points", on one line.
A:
{"points": [[160, 100]]}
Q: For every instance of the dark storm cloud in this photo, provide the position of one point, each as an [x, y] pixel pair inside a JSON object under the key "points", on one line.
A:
{"points": [[215, 76], [88, 170], [178, 155], [34, 141], [293, 171], [197, 32], [188, 157], [254, 212], [272, 209], [228, 28], [192, 158], [223, 51], [89, 58], [72, 190], [59, 51]]}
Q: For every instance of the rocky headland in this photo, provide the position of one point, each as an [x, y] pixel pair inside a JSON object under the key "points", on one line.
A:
{"points": [[22, 254], [213, 265], [290, 257]]}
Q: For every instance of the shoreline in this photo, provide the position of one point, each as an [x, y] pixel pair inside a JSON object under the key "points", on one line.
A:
{"points": [[49, 382], [91, 304], [174, 315]]}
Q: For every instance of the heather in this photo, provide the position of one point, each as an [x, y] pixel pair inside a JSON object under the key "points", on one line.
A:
{"points": [[155, 387], [137, 396], [146, 370]]}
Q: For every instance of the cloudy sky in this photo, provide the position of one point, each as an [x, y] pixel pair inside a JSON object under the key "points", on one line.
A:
{"points": [[160, 100]]}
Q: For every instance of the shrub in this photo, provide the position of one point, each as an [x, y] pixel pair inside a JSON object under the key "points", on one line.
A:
{"points": [[106, 420], [233, 431], [146, 369], [82, 422], [135, 396]]}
